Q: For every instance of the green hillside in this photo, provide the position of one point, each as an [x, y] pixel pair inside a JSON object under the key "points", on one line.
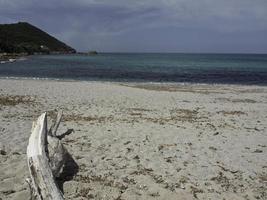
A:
{"points": [[23, 37]]}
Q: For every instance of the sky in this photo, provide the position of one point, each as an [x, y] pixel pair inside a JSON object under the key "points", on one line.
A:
{"points": [[196, 26]]}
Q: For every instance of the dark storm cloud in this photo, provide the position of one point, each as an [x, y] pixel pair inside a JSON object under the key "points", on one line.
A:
{"points": [[148, 25]]}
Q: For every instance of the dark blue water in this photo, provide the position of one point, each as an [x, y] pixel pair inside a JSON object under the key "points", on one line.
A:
{"points": [[189, 68]]}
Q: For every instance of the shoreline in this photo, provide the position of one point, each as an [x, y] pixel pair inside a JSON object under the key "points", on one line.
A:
{"points": [[131, 82]]}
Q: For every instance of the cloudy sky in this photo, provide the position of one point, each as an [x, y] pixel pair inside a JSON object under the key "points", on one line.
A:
{"points": [[148, 25]]}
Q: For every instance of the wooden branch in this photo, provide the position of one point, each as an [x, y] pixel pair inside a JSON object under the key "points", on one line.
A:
{"points": [[43, 181], [57, 155], [54, 127]]}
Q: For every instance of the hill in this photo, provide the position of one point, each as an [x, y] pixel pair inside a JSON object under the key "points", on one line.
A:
{"points": [[23, 37]]}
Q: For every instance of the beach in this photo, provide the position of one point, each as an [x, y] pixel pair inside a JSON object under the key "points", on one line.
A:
{"points": [[141, 140]]}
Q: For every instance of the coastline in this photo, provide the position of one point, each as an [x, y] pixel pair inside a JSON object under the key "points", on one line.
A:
{"points": [[126, 83], [142, 140], [9, 58]]}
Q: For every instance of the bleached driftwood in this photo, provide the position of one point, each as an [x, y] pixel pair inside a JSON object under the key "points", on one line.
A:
{"points": [[55, 125], [57, 155], [42, 166], [56, 151]]}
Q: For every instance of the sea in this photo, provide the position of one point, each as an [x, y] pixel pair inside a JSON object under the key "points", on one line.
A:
{"points": [[244, 69]]}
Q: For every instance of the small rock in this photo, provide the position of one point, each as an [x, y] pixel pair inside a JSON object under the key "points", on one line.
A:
{"points": [[142, 187], [217, 133], [169, 159], [154, 194], [213, 148], [178, 169], [127, 142], [8, 192], [257, 151], [3, 152]]}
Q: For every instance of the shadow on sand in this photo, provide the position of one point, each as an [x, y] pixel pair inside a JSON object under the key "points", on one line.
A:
{"points": [[70, 168]]}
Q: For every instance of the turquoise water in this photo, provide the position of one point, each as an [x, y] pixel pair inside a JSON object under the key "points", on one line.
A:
{"points": [[189, 68]]}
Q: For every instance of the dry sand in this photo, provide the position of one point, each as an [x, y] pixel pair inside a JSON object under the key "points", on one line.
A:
{"points": [[141, 141]]}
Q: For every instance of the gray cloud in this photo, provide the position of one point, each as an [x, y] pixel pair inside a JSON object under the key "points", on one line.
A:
{"points": [[124, 25]]}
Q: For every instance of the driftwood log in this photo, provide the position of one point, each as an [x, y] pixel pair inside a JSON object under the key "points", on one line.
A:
{"points": [[46, 158], [55, 125]]}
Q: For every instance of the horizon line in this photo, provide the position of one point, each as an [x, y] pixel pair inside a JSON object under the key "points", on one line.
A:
{"points": [[146, 52]]}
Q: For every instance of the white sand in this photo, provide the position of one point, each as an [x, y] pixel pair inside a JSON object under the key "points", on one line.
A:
{"points": [[139, 141]]}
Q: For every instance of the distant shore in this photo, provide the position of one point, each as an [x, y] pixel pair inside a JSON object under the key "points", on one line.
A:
{"points": [[11, 57]]}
